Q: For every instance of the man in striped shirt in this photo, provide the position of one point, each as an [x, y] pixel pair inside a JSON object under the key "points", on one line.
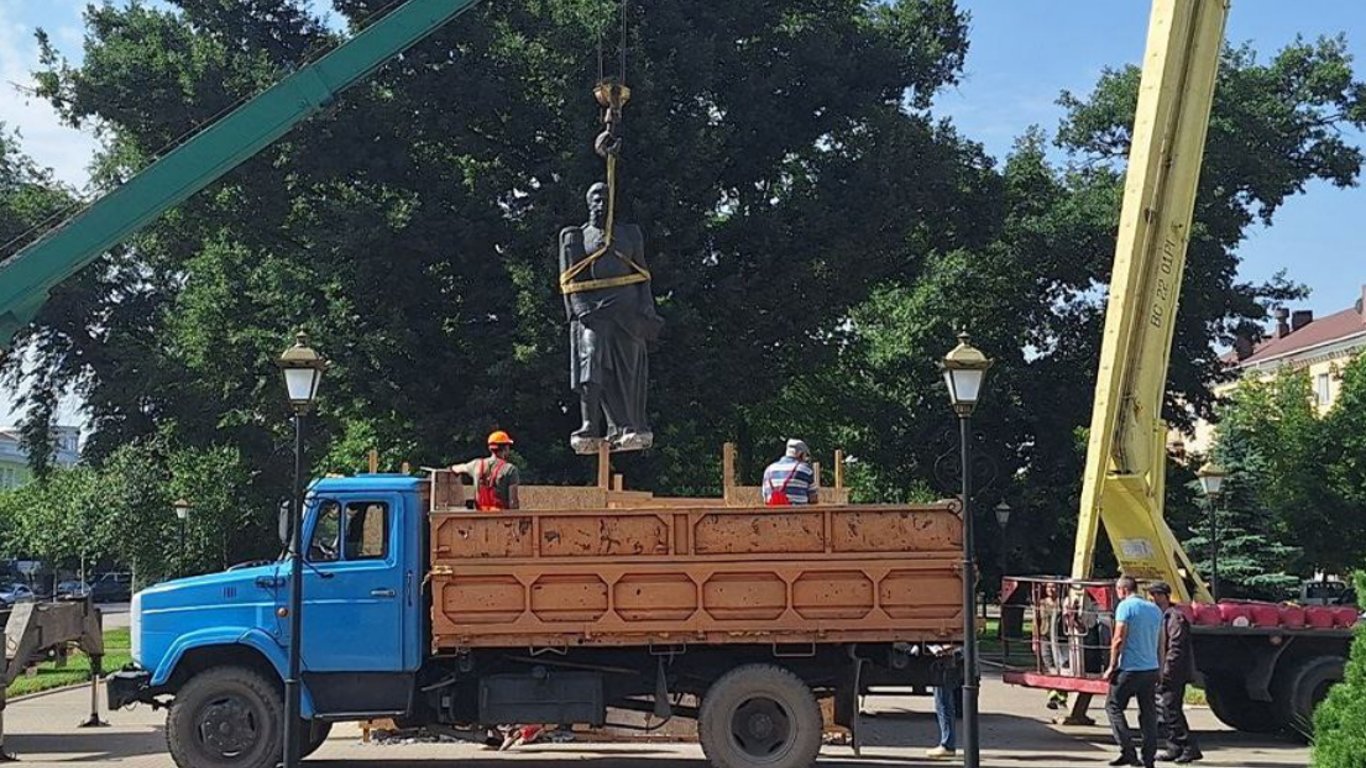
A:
{"points": [[790, 480]]}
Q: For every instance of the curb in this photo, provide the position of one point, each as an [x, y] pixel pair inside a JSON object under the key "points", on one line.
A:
{"points": [[49, 692]]}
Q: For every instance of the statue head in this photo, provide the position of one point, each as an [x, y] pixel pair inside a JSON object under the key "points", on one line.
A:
{"points": [[597, 204]]}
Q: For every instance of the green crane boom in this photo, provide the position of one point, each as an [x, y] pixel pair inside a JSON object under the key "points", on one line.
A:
{"points": [[29, 275]]}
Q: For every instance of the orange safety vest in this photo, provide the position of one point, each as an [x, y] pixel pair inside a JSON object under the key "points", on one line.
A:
{"points": [[486, 497]]}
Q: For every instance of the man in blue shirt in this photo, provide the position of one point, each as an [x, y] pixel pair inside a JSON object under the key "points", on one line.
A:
{"points": [[1133, 672]]}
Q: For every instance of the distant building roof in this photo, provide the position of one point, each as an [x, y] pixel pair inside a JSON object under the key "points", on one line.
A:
{"points": [[1345, 326]]}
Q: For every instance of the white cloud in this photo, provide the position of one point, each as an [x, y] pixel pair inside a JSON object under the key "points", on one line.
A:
{"points": [[44, 137]]}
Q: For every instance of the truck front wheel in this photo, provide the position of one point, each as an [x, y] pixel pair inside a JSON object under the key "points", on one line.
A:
{"points": [[226, 717], [759, 716], [1230, 703]]}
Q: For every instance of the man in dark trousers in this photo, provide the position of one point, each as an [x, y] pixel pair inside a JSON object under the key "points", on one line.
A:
{"points": [[1177, 659], [1133, 672]]}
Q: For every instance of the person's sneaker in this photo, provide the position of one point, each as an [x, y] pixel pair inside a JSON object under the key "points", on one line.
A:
{"points": [[1168, 757], [940, 753], [1125, 760], [1189, 756]]}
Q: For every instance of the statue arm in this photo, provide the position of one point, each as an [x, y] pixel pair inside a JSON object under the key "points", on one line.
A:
{"points": [[570, 237]]}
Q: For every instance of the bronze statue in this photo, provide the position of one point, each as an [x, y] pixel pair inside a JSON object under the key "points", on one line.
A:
{"points": [[611, 312]]}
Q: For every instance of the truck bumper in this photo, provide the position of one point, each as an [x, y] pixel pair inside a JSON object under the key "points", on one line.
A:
{"points": [[128, 686]]}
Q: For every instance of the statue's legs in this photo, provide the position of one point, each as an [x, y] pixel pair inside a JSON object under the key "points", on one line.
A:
{"points": [[626, 388], [590, 408]]}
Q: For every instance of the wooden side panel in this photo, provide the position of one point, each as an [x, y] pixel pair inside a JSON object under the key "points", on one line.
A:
{"points": [[701, 575], [478, 536], [767, 531], [905, 530], [627, 535]]}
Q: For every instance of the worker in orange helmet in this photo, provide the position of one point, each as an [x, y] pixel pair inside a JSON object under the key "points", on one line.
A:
{"points": [[495, 477]]}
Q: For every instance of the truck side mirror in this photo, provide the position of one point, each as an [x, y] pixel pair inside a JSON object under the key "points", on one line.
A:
{"points": [[283, 523]]}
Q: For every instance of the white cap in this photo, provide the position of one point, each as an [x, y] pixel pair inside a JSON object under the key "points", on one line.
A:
{"points": [[796, 448]]}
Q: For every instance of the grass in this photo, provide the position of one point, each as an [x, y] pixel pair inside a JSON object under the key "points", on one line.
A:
{"points": [[77, 670]]}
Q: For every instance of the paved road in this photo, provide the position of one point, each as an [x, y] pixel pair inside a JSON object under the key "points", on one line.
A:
{"points": [[1015, 732]]}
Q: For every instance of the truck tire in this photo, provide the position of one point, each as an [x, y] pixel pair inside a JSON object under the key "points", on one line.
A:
{"points": [[227, 717], [1229, 702], [1299, 688], [759, 716], [315, 735]]}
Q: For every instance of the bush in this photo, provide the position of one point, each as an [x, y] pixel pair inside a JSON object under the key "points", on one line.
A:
{"points": [[1340, 721]]}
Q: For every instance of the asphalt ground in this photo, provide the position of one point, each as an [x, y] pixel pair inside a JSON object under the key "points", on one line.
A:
{"points": [[1016, 733]]}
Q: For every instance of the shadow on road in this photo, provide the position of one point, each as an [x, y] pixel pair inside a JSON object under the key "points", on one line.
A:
{"points": [[92, 745]]}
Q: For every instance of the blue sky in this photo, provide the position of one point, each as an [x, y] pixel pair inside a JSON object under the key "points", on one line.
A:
{"points": [[1023, 53]]}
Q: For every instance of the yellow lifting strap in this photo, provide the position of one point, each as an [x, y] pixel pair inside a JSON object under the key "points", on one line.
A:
{"points": [[567, 283]]}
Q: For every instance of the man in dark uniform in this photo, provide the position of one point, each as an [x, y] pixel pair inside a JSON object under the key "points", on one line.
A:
{"points": [[1177, 658], [612, 317]]}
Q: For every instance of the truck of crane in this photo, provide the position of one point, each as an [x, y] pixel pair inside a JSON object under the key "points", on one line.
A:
{"points": [[1263, 667], [458, 620]]}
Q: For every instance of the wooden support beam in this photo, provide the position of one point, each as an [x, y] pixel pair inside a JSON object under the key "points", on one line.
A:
{"points": [[604, 466], [839, 469], [405, 468], [618, 483], [727, 469], [374, 461]]}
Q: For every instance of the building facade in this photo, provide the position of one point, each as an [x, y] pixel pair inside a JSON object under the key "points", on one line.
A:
{"points": [[14, 470], [1319, 346]]}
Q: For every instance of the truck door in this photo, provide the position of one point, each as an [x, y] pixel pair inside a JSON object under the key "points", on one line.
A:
{"points": [[353, 619]]}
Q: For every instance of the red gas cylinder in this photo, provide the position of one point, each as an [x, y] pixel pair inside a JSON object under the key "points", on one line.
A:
{"points": [[1208, 615], [1345, 616], [1292, 616], [1264, 614], [1318, 616], [1235, 614]]}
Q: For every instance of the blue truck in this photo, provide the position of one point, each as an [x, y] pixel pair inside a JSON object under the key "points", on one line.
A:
{"points": [[454, 620]]}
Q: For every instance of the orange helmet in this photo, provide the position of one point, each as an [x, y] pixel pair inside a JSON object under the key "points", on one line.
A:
{"points": [[499, 437]]}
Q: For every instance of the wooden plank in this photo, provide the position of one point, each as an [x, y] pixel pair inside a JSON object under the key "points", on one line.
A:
{"points": [[374, 461], [727, 470], [604, 466], [839, 468]]}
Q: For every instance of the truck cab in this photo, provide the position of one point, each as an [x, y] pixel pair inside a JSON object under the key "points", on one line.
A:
{"points": [[363, 633]]}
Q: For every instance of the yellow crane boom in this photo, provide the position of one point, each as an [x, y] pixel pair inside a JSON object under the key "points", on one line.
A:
{"points": [[1126, 453]]}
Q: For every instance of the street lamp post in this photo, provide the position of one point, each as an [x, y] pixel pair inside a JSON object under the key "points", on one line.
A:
{"points": [[182, 513], [1003, 522], [1212, 481], [964, 370], [303, 370]]}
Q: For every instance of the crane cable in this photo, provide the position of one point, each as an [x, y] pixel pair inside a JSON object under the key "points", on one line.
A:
{"points": [[612, 95]]}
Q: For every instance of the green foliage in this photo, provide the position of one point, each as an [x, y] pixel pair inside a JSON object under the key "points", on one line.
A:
{"points": [[816, 237], [1294, 475], [1340, 720], [122, 512]]}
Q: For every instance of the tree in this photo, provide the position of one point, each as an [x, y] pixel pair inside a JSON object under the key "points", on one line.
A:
{"points": [[1340, 720], [1293, 469]]}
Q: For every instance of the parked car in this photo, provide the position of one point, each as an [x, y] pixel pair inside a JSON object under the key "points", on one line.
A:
{"points": [[73, 590], [12, 594], [113, 588]]}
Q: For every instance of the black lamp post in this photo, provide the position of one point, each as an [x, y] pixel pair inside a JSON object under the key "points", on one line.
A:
{"points": [[303, 369], [1003, 521], [965, 368], [1212, 481], [182, 513]]}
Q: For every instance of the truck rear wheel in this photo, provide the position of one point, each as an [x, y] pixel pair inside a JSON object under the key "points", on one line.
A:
{"points": [[759, 716], [1229, 702], [1299, 688], [226, 717]]}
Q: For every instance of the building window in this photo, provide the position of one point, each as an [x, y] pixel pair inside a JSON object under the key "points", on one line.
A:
{"points": [[9, 478], [1321, 390]]}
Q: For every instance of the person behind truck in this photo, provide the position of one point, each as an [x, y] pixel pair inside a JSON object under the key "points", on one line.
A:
{"points": [[495, 477], [1176, 659], [790, 480]]}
